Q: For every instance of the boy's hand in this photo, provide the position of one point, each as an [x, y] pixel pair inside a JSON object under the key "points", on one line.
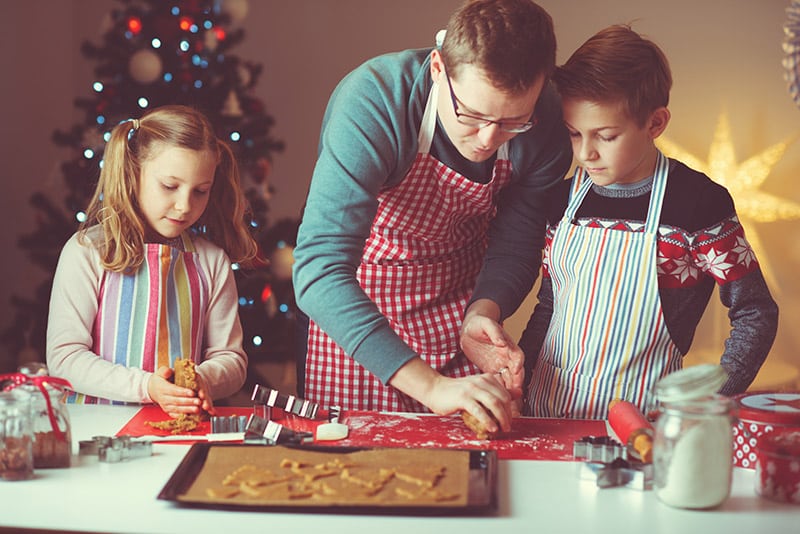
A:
{"points": [[489, 347]]}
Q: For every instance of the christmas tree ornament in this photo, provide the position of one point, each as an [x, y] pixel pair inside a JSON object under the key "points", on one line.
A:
{"points": [[231, 107], [145, 66], [93, 139], [282, 261], [186, 24], [791, 47], [106, 23], [135, 25], [245, 77], [210, 40], [235, 9], [153, 53], [261, 170]]}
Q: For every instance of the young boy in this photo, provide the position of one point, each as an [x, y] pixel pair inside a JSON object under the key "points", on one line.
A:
{"points": [[635, 244]]}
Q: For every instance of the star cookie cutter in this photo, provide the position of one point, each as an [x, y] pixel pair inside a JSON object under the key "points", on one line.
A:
{"points": [[606, 462]]}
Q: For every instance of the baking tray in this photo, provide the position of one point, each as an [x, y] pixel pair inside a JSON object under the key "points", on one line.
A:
{"points": [[481, 482]]}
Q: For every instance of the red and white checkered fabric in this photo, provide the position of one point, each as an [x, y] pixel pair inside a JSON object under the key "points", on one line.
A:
{"points": [[419, 266]]}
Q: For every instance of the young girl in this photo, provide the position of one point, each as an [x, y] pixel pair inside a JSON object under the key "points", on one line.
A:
{"points": [[147, 278]]}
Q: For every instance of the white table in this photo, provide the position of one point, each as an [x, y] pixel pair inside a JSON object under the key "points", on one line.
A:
{"points": [[535, 496]]}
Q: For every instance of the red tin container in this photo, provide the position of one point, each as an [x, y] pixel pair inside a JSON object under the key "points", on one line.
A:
{"points": [[778, 466], [759, 413]]}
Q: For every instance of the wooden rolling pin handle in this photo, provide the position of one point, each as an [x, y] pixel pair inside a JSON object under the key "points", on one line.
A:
{"points": [[632, 428]]}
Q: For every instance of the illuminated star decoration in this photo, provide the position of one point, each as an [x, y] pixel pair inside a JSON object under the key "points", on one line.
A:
{"points": [[742, 180]]}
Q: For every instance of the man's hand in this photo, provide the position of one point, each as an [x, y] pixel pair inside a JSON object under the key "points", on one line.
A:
{"points": [[483, 395]]}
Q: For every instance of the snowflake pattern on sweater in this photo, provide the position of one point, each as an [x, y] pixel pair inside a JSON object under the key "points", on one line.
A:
{"points": [[701, 244], [720, 251]]}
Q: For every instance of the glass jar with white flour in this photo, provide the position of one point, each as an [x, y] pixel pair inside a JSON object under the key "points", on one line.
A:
{"points": [[693, 446]]}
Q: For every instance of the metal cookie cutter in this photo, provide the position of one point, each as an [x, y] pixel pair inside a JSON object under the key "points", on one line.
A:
{"points": [[221, 424], [115, 449], [291, 404], [606, 462], [261, 430], [603, 449]]}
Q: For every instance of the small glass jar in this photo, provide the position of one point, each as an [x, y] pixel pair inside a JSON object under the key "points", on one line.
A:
{"points": [[16, 437], [52, 434], [693, 447], [778, 465]]}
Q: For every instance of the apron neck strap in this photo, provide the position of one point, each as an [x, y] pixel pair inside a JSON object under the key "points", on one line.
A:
{"points": [[581, 183], [428, 125]]}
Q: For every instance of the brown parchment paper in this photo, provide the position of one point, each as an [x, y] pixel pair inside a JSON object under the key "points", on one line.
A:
{"points": [[451, 490]]}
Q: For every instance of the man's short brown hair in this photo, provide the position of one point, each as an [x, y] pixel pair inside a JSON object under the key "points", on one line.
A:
{"points": [[512, 41]]}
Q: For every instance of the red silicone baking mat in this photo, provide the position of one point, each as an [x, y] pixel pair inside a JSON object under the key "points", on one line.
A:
{"points": [[137, 425], [529, 439]]}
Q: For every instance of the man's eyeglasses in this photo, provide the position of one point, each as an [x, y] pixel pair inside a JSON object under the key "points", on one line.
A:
{"points": [[480, 122]]}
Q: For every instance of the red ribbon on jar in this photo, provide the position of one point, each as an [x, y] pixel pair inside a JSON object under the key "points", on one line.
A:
{"points": [[19, 379]]}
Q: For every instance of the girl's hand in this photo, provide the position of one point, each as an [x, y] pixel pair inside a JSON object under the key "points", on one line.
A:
{"points": [[173, 399], [202, 393]]}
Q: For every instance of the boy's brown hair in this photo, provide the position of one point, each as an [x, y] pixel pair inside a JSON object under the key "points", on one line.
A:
{"points": [[617, 65]]}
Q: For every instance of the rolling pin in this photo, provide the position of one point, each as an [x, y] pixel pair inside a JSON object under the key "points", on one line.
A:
{"points": [[632, 428]]}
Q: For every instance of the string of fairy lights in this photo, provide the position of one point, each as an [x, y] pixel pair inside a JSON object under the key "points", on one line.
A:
{"points": [[155, 52]]}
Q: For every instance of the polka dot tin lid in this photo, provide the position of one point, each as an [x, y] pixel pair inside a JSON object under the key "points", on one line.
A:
{"points": [[760, 413], [770, 408]]}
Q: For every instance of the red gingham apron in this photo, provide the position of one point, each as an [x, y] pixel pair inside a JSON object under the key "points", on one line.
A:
{"points": [[419, 266], [607, 337]]}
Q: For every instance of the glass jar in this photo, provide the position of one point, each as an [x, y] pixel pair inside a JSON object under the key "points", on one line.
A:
{"points": [[52, 434], [16, 437], [693, 447]]}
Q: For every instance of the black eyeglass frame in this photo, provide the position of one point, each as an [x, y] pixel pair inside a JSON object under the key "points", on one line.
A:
{"points": [[481, 122]]}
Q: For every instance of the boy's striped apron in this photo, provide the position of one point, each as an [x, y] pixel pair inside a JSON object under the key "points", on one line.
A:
{"points": [[419, 266], [150, 318], [607, 338]]}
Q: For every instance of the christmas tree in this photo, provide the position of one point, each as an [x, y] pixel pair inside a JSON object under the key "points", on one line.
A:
{"points": [[154, 53]]}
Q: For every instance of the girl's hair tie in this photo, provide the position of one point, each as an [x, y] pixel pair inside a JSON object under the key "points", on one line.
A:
{"points": [[135, 126]]}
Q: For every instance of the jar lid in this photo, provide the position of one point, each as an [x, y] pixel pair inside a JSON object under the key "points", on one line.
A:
{"points": [[785, 442], [690, 383], [769, 407], [33, 369]]}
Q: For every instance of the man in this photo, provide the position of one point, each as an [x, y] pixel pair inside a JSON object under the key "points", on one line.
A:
{"points": [[424, 157]]}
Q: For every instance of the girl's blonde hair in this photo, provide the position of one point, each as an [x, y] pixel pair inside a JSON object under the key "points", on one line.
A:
{"points": [[115, 205]]}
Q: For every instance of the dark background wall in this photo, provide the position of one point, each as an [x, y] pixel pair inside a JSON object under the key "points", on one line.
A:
{"points": [[725, 54]]}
